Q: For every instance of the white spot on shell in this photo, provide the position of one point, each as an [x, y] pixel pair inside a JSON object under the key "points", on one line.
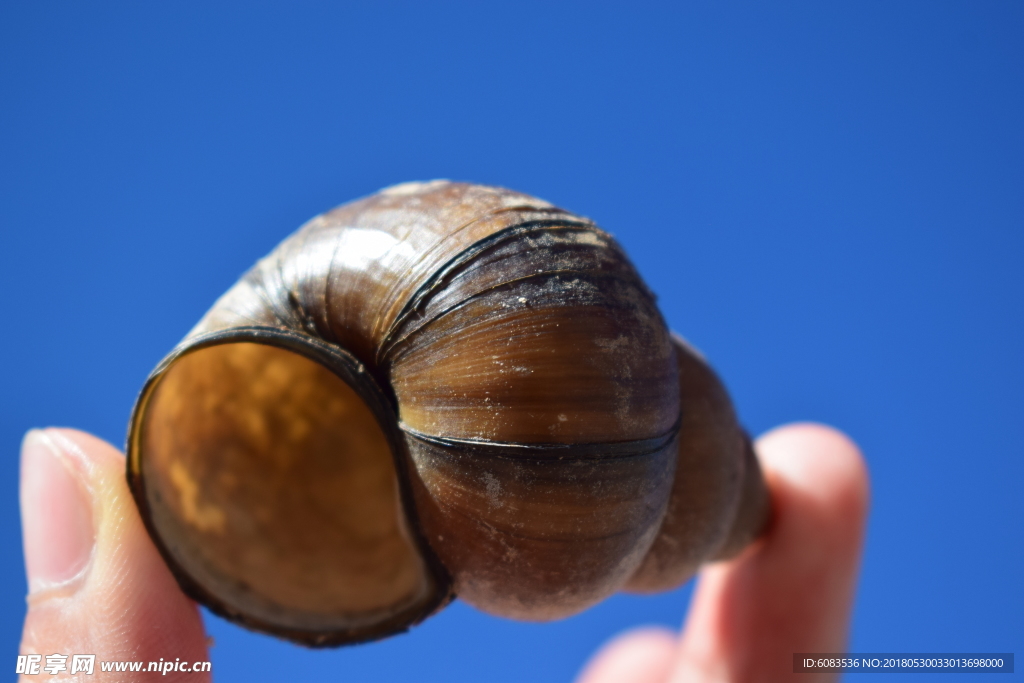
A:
{"points": [[358, 247], [413, 187], [613, 344], [493, 489]]}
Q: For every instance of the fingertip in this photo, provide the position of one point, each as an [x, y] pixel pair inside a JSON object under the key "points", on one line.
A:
{"points": [[821, 462], [642, 655], [92, 449], [56, 514], [793, 590], [124, 603]]}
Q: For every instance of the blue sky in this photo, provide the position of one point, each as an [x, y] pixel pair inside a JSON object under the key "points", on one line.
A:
{"points": [[826, 197]]}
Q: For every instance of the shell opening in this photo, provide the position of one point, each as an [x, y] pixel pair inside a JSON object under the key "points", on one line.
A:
{"points": [[271, 484]]}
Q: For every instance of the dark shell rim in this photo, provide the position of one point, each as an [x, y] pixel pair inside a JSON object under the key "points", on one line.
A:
{"points": [[610, 450]]}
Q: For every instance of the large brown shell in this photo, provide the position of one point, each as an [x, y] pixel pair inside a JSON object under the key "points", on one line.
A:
{"points": [[442, 389]]}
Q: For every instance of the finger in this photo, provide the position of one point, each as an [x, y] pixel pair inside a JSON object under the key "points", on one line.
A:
{"points": [[793, 591], [640, 656], [96, 583]]}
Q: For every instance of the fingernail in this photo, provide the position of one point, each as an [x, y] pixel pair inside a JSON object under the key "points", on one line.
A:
{"points": [[56, 513]]}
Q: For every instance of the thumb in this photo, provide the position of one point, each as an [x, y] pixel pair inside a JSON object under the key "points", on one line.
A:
{"points": [[97, 585]]}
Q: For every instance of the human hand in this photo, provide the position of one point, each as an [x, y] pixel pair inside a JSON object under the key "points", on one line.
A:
{"points": [[97, 585], [791, 592]]}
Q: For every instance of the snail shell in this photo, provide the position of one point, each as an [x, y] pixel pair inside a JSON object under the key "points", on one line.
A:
{"points": [[442, 389]]}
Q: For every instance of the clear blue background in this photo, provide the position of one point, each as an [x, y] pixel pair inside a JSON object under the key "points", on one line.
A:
{"points": [[828, 198]]}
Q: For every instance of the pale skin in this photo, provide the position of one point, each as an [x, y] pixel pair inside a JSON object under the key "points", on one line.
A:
{"points": [[98, 585]]}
